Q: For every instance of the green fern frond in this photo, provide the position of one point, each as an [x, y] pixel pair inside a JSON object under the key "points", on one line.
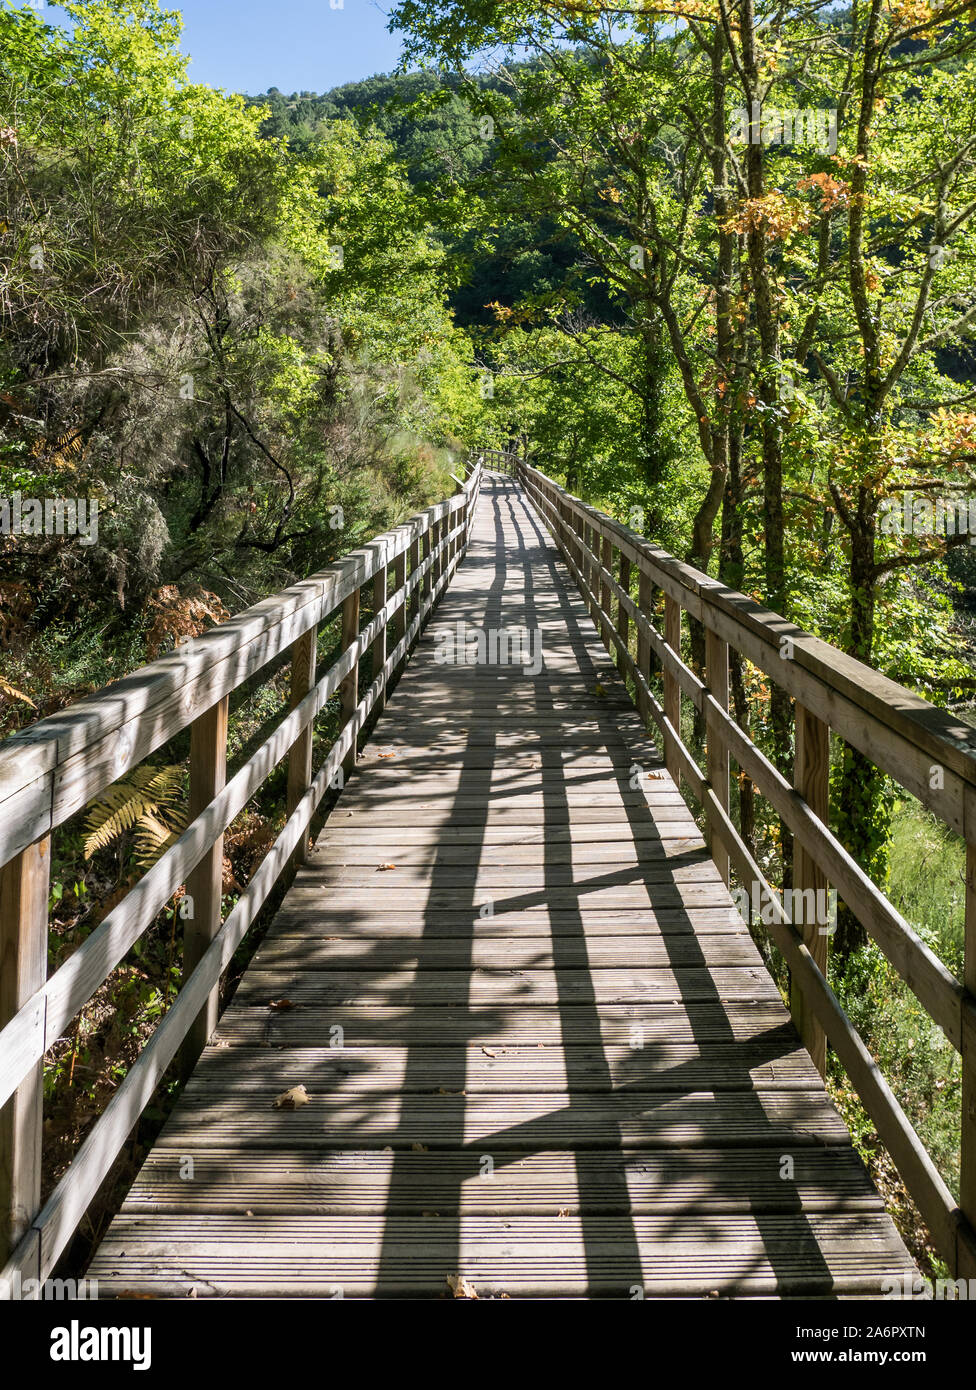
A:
{"points": [[153, 837], [145, 793]]}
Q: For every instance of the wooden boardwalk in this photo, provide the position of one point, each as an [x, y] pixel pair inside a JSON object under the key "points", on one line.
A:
{"points": [[541, 1051]]}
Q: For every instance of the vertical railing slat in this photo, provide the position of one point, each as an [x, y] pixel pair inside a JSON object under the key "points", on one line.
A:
{"points": [[349, 686], [204, 884], [672, 690], [811, 777], [303, 655], [25, 887]]}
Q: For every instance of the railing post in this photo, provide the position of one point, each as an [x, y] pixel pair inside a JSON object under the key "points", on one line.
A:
{"points": [[205, 883], [426, 586], [399, 580], [303, 654], [414, 606], [672, 690], [606, 593], [811, 778], [717, 755], [644, 593], [966, 1241], [25, 886], [623, 617], [349, 686], [379, 642]]}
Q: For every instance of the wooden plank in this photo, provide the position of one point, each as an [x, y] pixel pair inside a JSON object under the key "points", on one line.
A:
{"points": [[475, 987], [767, 1118], [521, 952], [344, 1183], [520, 1024], [310, 921], [798, 1255], [24, 890], [328, 1071]]}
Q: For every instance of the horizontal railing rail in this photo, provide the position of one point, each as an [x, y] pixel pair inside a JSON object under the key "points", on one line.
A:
{"points": [[898, 732], [54, 768]]}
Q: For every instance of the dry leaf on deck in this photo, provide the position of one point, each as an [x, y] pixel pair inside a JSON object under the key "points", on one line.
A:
{"points": [[460, 1287], [293, 1099]]}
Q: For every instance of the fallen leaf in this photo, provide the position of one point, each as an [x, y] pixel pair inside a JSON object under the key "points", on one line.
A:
{"points": [[563, 1211], [293, 1099], [281, 1004], [418, 1148], [386, 755], [461, 1287], [383, 867], [488, 1052]]}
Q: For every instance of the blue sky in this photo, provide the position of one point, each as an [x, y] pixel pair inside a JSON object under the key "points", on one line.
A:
{"points": [[296, 45]]}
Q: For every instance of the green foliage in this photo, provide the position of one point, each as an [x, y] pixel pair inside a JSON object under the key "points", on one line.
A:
{"points": [[148, 802]]}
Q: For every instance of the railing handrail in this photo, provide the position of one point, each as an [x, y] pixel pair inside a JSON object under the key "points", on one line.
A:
{"points": [[37, 792], [927, 727], [36, 1009], [824, 685]]}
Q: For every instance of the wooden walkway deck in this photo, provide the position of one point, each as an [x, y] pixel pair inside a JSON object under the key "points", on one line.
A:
{"points": [[564, 1070]]}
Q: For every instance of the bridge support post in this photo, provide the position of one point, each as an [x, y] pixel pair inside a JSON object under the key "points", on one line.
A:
{"points": [[303, 655], [400, 616], [966, 1238], [623, 617], [205, 883], [606, 593], [672, 690], [811, 778], [426, 585], [644, 594], [25, 886], [717, 755], [379, 643], [413, 608], [349, 686]]}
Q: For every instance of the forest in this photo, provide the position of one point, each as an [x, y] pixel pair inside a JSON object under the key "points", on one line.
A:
{"points": [[709, 265]]}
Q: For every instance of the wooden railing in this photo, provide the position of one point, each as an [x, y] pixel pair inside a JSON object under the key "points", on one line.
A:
{"points": [[499, 461], [53, 769], [920, 746]]}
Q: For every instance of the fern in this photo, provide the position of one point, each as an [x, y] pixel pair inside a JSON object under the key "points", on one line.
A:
{"points": [[146, 801]]}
